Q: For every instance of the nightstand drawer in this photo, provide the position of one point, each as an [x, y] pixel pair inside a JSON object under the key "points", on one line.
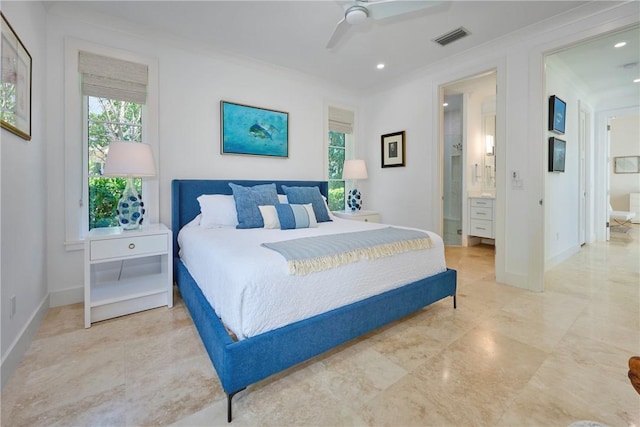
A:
{"points": [[481, 213], [365, 216], [481, 228], [132, 246]]}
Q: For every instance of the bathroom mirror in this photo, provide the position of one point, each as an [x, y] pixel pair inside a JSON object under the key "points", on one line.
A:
{"points": [[489, 166]]}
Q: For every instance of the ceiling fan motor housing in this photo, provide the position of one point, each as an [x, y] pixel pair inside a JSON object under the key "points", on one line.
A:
{"points": [[356, 14]]}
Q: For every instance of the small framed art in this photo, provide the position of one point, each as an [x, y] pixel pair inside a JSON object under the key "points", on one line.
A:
{"points": [[557, 114], [15, 84], [253, 130], [557, 154], [393, 149], [626, 164]]}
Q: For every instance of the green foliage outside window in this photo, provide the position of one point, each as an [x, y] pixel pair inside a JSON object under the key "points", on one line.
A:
{"points": [[336, 163], [109, 120]]}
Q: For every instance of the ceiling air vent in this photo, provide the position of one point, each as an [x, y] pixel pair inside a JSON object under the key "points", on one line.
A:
{"points": [[451, 36]]}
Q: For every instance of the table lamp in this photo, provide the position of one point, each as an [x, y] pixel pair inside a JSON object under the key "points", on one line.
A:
{"points": [[355, 170], [129, 159]]}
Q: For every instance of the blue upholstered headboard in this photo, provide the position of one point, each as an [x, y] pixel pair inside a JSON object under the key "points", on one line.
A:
{"points": [[185, 192]]}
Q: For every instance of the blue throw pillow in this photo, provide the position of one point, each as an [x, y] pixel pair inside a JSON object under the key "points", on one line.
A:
{"points": [[296, 216], [304, 195], [247, 201]]}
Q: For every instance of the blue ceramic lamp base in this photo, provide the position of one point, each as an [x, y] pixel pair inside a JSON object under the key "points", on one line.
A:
{"points": [[130, 209], [354, 200]]}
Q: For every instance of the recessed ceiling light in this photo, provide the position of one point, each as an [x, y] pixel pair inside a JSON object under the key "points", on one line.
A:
{"points": [[380, 66], [446, 104], [620, 44], [636, 81]]}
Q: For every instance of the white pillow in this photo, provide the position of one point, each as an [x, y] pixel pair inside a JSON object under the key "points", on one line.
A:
{"points": [[269, 216], [218, 210], [326, 203], [282, 198]]}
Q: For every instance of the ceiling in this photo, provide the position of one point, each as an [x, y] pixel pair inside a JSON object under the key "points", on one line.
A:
{"points": [[606, 70], [294, 34]]}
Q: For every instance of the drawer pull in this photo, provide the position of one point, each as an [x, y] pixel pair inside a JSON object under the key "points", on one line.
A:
{"points": [[132, 245], [366, 220], [481, 228]]}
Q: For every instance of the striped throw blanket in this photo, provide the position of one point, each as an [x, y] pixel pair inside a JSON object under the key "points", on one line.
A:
{"points": [[309, 254]]}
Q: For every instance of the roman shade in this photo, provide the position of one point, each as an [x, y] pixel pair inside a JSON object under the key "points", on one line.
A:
{"points": [[112, 78], [340, 120]]}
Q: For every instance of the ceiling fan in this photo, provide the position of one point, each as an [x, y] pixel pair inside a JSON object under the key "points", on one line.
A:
{"points": [[363, 9]]}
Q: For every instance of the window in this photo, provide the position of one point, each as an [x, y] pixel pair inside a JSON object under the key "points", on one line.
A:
{"points": [[109, 93], [114, 92], [340, 147], [108, 120], [336, 163]]}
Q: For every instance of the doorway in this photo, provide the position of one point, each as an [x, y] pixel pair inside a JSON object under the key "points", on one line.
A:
{"points": [[452, 169], [468, 138], [595, 92]]}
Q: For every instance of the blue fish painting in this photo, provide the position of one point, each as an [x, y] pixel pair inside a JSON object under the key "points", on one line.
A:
{"points": [[253, 130], [258, 131]]}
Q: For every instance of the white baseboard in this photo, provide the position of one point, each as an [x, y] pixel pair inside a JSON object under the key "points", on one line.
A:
{"points": [[11, 360], [66, 296], [516, 280], [560, 258]]}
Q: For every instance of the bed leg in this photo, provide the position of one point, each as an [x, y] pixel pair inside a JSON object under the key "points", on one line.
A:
{"points": [[454, 302], [229, 397]]}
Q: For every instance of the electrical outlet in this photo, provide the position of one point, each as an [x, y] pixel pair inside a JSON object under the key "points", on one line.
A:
{"points": [[12, 309]]}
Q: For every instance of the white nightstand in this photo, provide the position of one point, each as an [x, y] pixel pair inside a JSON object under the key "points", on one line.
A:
{"points": [[366, 216], [126, 271]]}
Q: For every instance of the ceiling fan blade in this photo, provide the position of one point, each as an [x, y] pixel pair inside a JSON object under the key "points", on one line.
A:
{"points": [[388, 8], [338, 33]]}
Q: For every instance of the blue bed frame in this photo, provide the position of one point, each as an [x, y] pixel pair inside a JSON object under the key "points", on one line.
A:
{"points": [[241, 363]]}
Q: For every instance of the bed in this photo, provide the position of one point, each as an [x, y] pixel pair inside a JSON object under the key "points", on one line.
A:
{"points": [[249, 354]]}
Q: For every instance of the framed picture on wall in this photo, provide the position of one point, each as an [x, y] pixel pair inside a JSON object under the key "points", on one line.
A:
{"points": [[393, 150], [15, 84], [626, 164], [557, 114], [557, 154], [253, 130]]}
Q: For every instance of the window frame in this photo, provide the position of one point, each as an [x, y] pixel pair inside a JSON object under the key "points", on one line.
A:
{"points": [[76, 140]]}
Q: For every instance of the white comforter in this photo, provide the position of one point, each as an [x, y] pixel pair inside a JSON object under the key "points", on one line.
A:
{"points": [[249, 286]]}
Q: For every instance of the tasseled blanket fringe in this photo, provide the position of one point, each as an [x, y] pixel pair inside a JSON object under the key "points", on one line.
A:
{"points": [[301, 267]]}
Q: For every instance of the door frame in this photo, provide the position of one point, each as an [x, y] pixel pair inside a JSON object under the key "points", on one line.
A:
{"points": [[584, 138]]}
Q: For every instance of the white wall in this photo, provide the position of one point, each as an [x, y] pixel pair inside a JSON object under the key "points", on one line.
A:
{"points": [[625, 141], [562, 188], [24, 200], [192, 81]]}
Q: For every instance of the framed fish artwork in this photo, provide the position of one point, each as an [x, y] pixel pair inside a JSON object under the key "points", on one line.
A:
{"points": [[253, 131], [557, 113]]}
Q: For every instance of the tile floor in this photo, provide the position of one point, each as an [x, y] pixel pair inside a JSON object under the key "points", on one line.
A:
{"points": [[505, 357]]}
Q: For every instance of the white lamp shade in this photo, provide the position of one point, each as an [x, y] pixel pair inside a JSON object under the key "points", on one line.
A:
{"points": [[354, 169], [126, 158]]}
